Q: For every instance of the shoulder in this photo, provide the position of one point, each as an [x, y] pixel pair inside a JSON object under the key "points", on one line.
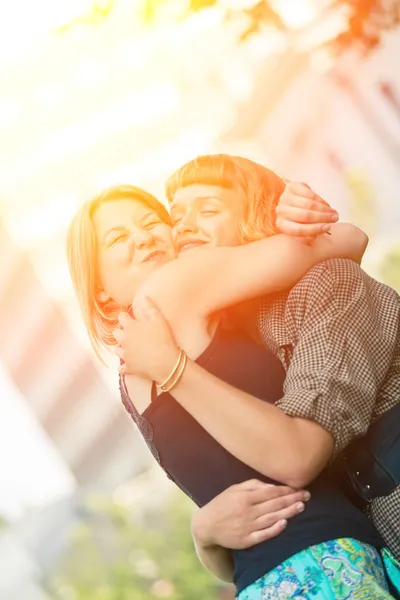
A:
{"points": [[335, 269], [340, 274], [331, 277], [341, 284]]}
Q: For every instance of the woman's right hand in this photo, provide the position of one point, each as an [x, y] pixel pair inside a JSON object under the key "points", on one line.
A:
{"points": [[302, 213], [246, 514]]}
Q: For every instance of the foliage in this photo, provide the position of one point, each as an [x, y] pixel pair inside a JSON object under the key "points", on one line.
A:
{"points": [[366, 20], [390, 268], [113, 557]]}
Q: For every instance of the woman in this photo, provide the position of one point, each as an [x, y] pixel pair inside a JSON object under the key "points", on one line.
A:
{"points": [[111, 220]]}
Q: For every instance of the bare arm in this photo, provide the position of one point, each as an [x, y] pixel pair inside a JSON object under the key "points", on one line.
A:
{"points": [[285, 448], [259, 434], [243, 272], [345, 333]]}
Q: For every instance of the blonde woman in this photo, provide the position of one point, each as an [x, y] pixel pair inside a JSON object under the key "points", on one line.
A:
{"points": [[115, 243]]}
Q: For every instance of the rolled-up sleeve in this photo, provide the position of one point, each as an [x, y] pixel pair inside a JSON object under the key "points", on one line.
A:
{"points": [[344, 327]]}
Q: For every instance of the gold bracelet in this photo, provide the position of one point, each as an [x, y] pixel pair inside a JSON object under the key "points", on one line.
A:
{"points": [[178, 374], [174, 370]]}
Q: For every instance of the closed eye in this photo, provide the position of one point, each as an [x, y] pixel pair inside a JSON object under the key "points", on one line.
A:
{"points": [[118, 238], [151, 224], [175, 219]]}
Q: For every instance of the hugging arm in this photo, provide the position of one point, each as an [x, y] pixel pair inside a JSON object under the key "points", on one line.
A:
{"points": [[342, 351], [257, 433], [210, 279], [344, 346]]}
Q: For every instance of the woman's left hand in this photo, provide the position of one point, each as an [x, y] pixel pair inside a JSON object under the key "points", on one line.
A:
{"points": [[147, 347]]}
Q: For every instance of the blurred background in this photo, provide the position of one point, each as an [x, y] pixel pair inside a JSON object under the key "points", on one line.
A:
{"points": [[94, 93]]}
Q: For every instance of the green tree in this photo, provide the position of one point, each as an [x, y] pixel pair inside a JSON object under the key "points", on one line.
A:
{"points": [[113, 557]]}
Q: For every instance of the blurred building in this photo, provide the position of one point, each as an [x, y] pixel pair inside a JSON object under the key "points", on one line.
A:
{"points": [[335, 126], [57, 377]]}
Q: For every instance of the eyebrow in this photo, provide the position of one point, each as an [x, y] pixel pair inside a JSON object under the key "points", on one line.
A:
{"points": [[123, 227], [201, 198]]}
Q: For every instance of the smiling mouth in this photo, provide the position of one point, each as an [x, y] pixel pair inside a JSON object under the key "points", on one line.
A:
{"points": [[189, 245], [154, 256]]}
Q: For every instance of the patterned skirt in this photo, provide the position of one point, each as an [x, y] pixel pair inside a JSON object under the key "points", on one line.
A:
{"points": [[342, 569]]}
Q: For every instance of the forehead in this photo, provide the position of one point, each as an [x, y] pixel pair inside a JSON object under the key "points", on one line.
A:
{"points": [[194, 193], [120, 213]]}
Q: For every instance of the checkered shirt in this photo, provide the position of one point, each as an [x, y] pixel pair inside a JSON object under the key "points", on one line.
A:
{"points": [[337, 333]]}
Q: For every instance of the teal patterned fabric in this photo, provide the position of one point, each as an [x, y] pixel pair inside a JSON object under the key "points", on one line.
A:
{"points": [[342, 569]]}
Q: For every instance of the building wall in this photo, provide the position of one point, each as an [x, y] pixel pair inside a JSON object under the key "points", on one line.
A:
{"points": [[58, 378], [337, 128]]}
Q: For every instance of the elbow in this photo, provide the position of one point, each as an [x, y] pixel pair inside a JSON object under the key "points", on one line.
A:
{"points": [[306, 469], [294, 472], [297, 476], [298, 470], [300, 479]]}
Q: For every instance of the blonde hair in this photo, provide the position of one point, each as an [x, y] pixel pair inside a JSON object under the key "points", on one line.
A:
{"points": [[100, 318], [260, 187]]}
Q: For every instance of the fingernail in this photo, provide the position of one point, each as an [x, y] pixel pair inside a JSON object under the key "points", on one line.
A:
{"points": [[334, 216], [326, 228], [307, 496], [283, 523], [300, 507]]}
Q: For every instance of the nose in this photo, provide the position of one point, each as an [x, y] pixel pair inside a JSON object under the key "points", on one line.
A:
{"points": [[187, 224], [142, 238]]}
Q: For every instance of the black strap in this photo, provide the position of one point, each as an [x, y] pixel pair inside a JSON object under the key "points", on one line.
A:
{"points": [[372, 463]]}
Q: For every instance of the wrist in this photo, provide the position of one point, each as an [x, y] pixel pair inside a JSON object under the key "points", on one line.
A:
{"points": [[201, 533], [163, 369]]}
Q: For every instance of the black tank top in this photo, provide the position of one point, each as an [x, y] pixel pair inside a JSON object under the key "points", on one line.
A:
{"points": [[202, 468]]}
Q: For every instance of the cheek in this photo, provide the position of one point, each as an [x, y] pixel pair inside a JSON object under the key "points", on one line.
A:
{"points": [[224, 231], [110, 266], [165, 233]]}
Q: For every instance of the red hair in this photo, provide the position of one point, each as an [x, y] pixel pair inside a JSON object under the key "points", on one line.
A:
{"points": [[260, 187]]}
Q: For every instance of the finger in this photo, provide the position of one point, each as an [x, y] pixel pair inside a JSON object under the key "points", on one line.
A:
{"points": [[119, 335], [124, 319], [302, 191], [286, 513], [262, 535], [277, 504], [269, 492], [301, 229], [305, 215]]}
